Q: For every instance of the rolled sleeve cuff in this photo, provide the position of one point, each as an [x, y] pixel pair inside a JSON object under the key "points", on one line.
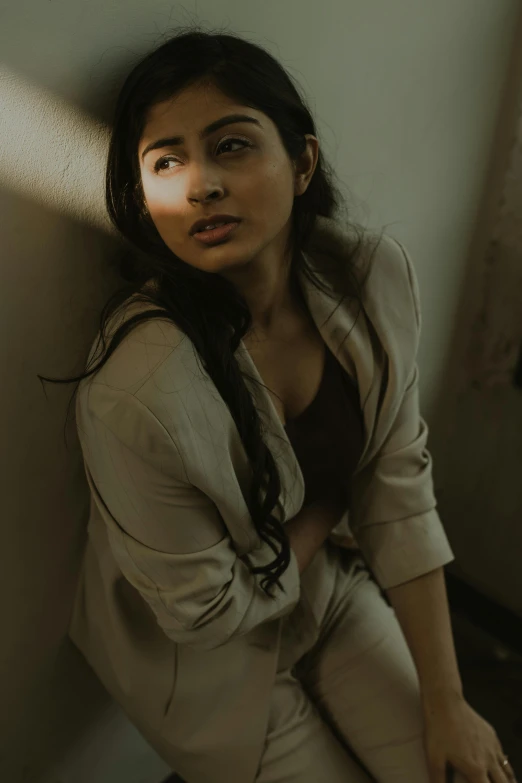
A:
{"points": [[397, 552]]}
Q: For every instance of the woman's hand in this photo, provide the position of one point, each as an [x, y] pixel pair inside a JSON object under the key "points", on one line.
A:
{"points": [[335, 506], [457, 736], [309, 528], [329, 510], [330, 498]]}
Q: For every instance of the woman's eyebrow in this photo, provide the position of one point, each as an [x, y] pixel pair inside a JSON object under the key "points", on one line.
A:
{"points": [[173, 141]]}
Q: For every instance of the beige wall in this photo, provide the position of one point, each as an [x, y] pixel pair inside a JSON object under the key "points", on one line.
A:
{"points": [[476, 423], [407, 97]]}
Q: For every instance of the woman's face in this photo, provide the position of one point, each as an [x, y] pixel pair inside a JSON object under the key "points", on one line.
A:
{"points": [[241, 169]]}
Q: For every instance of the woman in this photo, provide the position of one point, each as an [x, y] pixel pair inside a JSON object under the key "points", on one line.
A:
{"points": [[246, 644]]}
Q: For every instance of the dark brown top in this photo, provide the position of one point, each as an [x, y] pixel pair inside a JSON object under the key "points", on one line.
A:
{"points": [[327, 437]]}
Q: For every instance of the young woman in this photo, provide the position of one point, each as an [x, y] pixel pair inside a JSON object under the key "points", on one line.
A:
{"points": [[259, 392]]}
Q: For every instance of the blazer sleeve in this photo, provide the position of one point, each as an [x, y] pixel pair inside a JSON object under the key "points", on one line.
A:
{"points": [[166, 535], [393, 512]]}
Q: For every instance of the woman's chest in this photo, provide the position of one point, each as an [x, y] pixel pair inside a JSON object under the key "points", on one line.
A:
{"points": [[291, 365]]}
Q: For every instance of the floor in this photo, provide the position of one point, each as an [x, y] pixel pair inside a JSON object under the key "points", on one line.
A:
{"points": [[490, 662]]}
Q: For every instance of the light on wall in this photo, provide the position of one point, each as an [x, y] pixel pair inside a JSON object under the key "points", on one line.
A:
{"points": [[51, 151]]}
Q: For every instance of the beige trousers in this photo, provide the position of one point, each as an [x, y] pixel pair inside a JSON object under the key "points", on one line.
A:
{"points": [[346, 703]]}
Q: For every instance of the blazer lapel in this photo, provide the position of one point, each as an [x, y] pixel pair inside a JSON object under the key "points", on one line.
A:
{"points": [[346, 324]]}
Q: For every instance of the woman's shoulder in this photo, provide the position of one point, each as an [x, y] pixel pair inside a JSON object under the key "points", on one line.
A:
{"points": [[333, 244], [140, 351]]}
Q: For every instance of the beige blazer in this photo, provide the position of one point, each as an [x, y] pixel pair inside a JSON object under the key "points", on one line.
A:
{"points": [[167, 611]]}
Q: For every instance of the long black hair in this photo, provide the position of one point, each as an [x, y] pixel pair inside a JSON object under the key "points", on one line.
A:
{"points": [[206, 306]]}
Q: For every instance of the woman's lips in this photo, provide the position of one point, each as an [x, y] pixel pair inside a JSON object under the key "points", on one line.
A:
{"points": [[215, 234]]}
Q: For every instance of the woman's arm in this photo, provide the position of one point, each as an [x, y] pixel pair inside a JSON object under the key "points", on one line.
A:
{"points": [[422, 610]]}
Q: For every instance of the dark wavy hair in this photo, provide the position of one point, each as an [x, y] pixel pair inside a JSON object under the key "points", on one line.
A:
{"points": [[205, 306]]}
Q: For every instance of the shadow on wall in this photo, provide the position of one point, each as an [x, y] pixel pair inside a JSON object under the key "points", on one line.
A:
{"points": [[58, 247]]}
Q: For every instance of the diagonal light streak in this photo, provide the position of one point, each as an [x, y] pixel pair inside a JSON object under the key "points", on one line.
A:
{"points": [[51, 151]]}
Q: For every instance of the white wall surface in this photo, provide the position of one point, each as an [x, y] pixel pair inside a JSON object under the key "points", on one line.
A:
{"points": [[407, 97]]}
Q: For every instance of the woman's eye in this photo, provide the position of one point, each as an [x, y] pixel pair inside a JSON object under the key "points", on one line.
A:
{"points": [[167, 158]]}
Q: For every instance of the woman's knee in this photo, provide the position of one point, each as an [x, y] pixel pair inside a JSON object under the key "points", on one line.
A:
{"points": [[365, 684], [300, 747]]}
